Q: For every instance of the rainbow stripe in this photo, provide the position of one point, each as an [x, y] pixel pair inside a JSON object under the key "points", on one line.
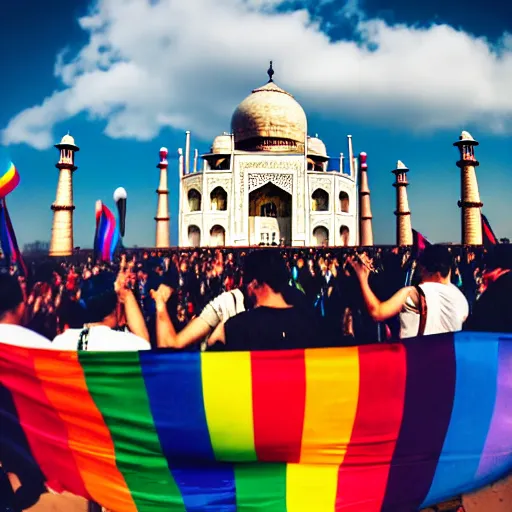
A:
{"points": [[9, 180], [8, 241], [371, 428], [107, 235]]}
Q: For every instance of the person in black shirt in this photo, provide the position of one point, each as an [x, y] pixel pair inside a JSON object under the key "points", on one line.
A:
{"points": [[273, 324], [492, 312]]}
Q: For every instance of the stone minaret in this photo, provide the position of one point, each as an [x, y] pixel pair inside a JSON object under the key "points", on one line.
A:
{"points": [[469, 203], [365, 211], [62, 228], [403, 214], [162, 213]]}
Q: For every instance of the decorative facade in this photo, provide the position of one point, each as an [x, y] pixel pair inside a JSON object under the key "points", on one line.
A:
{"points": [[268, 182], [62, 227]]}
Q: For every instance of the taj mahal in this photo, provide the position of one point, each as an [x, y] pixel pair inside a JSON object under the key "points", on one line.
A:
{"points": [[267, 182]]}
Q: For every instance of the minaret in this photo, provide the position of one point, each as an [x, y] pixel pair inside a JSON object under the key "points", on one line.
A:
{"points": [[365, 211], [470, 198], [62, 228], [162, 213], [403, 214]]}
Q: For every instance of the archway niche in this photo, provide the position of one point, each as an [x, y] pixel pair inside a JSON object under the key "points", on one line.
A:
{"points": [[344, 202], [270, 216], [194, 236], [321, 236], [320, 200], [194, 200], [219, 199], [217, 236], [344, 236]]}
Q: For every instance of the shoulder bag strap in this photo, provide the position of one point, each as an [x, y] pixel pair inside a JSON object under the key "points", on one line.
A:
{"points": [[83, 339], [422, 307]]}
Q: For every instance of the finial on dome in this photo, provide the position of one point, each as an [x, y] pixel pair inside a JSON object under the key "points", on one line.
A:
{"points": [[270, 73]]}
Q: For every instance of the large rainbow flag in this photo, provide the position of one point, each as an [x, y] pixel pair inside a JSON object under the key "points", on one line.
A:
{"points": [[373, 428]]}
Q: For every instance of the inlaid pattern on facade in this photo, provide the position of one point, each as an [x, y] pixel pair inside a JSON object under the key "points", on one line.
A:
{"points": [[283, 181]]}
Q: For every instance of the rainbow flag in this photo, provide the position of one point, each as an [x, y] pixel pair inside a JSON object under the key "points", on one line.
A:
{"points": [[367, 429], [8, 240], [107, 234], [9, 180]]}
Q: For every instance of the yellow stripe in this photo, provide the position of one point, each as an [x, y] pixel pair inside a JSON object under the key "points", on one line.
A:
{"points": [[8, 176], [227, 392], [332, 392]]}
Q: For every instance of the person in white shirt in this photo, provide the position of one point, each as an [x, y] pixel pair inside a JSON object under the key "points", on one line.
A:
{"points": [[12, 316], [100, 297], [217, 311], [435, 306]]}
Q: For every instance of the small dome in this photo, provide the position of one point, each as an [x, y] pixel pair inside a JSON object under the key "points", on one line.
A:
{"points": [[68, 140], [316, 147], [221, 145], [269, 112]]}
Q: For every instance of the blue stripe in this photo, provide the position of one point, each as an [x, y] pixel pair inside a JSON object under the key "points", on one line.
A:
{"points": [[175, 392], [475, 393]]}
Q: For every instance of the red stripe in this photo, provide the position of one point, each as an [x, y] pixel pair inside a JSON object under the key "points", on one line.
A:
{"points": [[45, 431], [363, 476], [278, 406], [489, 235]]}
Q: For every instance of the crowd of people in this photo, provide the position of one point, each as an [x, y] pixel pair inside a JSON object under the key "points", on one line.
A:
{"points": [[187, 299], [250, 299]]}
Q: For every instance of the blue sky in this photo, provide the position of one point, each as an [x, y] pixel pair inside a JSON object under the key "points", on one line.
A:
{"points": [[126, 77]]}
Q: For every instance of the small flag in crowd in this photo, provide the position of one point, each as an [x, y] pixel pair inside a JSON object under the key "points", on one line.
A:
{"points": [[419, 242], [8, 240], [488, 237], [107, 234], [9, 180]]}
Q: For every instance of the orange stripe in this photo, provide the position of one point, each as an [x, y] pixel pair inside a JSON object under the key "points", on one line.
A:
{"points": [[89, 438], [332, 393]]}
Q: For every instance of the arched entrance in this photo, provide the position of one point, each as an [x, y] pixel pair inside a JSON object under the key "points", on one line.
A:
{"points": [[320, 200], [321, 236], [217, 236], [344, 236], [270, 216], [194, 236], [219, 199], [194, 200]]}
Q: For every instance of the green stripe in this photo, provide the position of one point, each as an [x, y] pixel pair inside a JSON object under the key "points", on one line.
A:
{"points": [[117, 387], [260, 487]]}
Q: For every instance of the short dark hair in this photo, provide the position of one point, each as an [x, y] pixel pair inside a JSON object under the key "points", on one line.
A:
{"points": [[437, 258], [266, 266], [98, 297], [11, 295]]}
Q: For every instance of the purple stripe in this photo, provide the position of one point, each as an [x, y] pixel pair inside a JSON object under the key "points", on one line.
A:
{"points": [[496, 458], [429, 394]]}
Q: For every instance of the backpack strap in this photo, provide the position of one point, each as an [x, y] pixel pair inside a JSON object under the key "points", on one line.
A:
{"points": [[83, 338], [422, 307]]}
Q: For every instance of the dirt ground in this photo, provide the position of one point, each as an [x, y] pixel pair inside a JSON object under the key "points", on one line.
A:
{"points": [[496, 498]]}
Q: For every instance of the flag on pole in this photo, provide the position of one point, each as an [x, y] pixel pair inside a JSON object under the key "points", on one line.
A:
{"points": [[8, 240], [488, 237], [419, 242], [107, 235]]}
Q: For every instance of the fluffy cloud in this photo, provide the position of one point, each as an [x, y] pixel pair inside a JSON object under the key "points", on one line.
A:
{"points": [[152, 64]]}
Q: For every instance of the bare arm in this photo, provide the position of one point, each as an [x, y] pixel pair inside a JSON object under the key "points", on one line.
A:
{"points": [[218, 335], [166, 335], [377, 309], [134, 317]]}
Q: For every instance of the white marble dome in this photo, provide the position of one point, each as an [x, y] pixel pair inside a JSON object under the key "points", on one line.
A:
{"points": [[269, 112]]}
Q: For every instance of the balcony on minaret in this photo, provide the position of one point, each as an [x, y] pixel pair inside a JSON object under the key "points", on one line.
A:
{"points": [[401, 174], [466, 145]]}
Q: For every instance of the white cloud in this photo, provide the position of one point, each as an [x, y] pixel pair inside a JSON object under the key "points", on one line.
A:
{"points": [[187, 64]]}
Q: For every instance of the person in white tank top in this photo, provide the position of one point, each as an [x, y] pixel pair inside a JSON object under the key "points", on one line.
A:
{"points": [[436, 306]]}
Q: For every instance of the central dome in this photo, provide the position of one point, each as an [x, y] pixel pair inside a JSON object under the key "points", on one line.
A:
{"points": [[269, 119]]}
